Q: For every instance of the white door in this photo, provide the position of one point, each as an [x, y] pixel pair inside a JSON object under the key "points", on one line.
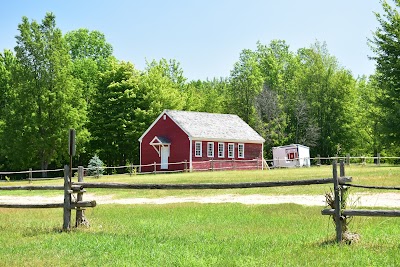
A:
{"points": [[164, 157]]}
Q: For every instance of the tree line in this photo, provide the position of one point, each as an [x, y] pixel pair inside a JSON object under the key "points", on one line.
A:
{"points": [[52, 82]]}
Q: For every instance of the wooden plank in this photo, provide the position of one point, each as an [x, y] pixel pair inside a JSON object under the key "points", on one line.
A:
{"points": [[40, 187], [209, 185], [32, 206], [372, 213], [373, 187], [67, 201], [83, 204], [74, 205], [31, 187], [80, 213], [338, 202]]}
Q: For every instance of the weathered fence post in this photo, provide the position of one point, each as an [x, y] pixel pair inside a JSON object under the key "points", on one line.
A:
{"points": [[185, 166], [30, 175], [80, 212], [67, 200], [318, 160], [212, 165], [338, 212], [347, 159], [342, 172], [378, 160], [155, 167]]}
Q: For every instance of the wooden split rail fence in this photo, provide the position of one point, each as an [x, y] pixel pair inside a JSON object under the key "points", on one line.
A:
{"points": [[69, 189], [80, 186], [340, 214], [340, 182]]}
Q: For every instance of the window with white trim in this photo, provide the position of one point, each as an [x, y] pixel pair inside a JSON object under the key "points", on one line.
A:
{"points": [[241, 151], [210, 149], [221, 150], [231, 150], [198, 152]]}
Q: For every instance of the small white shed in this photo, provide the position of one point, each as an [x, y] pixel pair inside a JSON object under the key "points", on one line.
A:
{"points": [[293, 155]]}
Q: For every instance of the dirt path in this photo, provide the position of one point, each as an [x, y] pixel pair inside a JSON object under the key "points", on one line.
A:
{"points": [[358, 200]]}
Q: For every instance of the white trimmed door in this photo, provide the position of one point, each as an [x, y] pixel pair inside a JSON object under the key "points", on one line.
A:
{"points": [[164, 157]]}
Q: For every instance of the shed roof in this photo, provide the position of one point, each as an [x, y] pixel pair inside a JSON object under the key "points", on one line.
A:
{"points": [[213, 126]]}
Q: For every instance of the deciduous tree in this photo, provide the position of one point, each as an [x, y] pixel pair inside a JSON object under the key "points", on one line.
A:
{"points": [[45, 102]]}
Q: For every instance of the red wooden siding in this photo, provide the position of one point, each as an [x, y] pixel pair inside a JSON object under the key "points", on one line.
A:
{"points": [[179, 148], [252, 152]]}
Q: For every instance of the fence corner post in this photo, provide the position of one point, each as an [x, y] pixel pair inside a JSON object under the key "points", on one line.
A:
{"points": [[338, 204], [67, 200]]}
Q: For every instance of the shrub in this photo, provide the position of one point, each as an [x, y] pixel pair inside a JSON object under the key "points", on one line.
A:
{"points": [[95, 167]]}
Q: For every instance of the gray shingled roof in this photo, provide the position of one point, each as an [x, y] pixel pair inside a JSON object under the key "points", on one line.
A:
{"points": [[212, 126]]}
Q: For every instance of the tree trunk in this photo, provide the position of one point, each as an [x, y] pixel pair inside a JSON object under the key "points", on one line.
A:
{"points": [[44, 165]]}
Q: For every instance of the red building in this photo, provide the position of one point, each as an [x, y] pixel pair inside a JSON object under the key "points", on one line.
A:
{"points": [[184, 140]]}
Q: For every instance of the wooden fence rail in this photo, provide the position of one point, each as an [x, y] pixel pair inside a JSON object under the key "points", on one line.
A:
{"points": [[343, 180]]}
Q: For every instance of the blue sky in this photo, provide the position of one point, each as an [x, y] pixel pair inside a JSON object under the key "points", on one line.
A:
{"points": [[207, 36]]}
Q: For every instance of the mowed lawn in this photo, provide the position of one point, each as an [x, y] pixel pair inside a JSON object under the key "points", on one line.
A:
{"points": [[193, 234]]}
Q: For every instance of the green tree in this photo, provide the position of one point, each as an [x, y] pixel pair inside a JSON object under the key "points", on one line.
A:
{"points": [[91, 55], [370, 116], [112, 122], [45, 102], [127, 102], [385, 44], [330, 92], [8, 66], [208, 96], [245, 84]]}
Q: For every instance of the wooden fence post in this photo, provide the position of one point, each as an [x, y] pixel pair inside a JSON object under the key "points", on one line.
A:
{"points": [[348, 159], [318, 160], [67, 200], [30, 175], [338, 212], [155, 167], [378, 160], [342, 172], [80, 212]]}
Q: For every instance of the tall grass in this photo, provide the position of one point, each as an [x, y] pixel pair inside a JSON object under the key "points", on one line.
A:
{"points": [[193, 235], [201, 234]]}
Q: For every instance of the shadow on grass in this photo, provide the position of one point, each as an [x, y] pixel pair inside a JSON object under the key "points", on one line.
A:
{"points": [[326, 243], [42, 230]]}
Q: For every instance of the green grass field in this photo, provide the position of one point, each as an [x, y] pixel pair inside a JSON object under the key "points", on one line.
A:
{"points": [[202, 234]]}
